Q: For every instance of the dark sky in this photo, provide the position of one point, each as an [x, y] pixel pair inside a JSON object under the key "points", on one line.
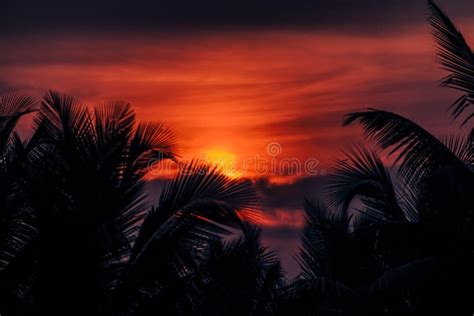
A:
{"points": [[345, 15]]}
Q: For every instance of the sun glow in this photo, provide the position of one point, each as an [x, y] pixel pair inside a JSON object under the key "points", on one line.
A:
{"points": [[225, 161]]}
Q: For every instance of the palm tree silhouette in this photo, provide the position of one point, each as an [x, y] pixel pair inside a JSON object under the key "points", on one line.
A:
{"points": [[86, 186], [90, 240], [194, 211], [455, 56], [406, 245]]}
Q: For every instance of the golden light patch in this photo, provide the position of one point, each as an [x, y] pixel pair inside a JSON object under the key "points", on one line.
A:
{"points": [[225, 161]]}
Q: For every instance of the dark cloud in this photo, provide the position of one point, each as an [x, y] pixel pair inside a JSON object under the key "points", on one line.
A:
{"points": [[286, 242], [288, 196], [348, 15], [153, 190], [300, 124], [5, 86]]}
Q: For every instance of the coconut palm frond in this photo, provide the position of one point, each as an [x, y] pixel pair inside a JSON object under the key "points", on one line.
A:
{"points": [[323, 233], [408, 199], [455, 56], [202, 192], [13, 106], [363, 174], [461, 146], [419, 152], [151, 143], [113, 127]]}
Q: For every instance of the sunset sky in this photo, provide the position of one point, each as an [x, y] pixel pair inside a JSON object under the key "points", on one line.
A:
{"points": [[237, 79]]}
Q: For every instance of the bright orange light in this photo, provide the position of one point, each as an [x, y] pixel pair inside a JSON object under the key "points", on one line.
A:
{"points": [[225, 161]]}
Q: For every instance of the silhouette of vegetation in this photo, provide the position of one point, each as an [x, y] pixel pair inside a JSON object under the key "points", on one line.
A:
{"points": [[76, 236], [454, 55], [398, 240]]}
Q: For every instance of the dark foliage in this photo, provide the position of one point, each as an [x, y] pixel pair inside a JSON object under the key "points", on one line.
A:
{"points": [[455, 56]]}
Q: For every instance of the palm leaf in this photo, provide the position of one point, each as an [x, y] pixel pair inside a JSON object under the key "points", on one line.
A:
{"points": [[150, 144], [202, 192], [324, 233], [461, 146], [363, 174], [419, 152], [13, 105], [455, 56], [64, 136], [114, 124], [408, 199]]}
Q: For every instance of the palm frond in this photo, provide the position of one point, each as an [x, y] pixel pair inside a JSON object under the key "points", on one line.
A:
{"points": [[150, 144], [324, 233], [18, 222], [20, 277], [66, 125], [363, 174], [461, 146], [248, 243], [113, 120], [13, 105], [21, 230], [17, 218], [455, 56], [408, 199], [202, 192], [419, 152], [114, 123]]}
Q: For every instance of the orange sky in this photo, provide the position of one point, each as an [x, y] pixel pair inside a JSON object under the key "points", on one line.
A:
{"points": [[236, 92], [252, 85], [230, 94]]}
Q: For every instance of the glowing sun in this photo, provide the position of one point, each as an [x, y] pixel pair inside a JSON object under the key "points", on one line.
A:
{"points": [[225, 161]]}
